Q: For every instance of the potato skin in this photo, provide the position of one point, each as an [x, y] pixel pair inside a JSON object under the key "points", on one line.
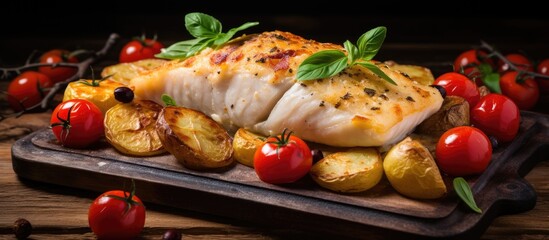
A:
{"points": [[202, 145], [413, 172], [355, 170], [453, 113]]}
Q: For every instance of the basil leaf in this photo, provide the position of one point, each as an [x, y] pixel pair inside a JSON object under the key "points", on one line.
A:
{"points": [[322, 64], [169, 101], [202, 25], [489, 77], [177, 50], [207, 31], [370, 42], [225, 37], [375, 69], [352, 51], [463, 190], [199, 46], [485, 68], [491, 81]]}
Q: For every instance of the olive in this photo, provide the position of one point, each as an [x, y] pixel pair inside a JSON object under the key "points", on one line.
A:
{"points": [[172, 234], [317, 155], [441, 89], [123, 94]]}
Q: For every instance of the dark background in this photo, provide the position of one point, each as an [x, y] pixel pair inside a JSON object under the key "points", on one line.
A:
{"points": [[422, 33]]}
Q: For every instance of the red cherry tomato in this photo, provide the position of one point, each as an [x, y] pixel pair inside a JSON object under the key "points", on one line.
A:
{"points": [[525, 94], [457, 84], [463, 151], [58, 74], [468, 61], [519, 60], [498, 116], [138, 49], [77, 123], [28, 89], [282, 159], [543, 83], [117, 214]]}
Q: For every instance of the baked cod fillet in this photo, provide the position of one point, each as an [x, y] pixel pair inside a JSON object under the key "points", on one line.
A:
{"points": [[250, 82]]}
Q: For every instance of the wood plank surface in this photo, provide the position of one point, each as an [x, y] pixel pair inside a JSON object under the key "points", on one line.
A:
{"points": [[61, 213]]}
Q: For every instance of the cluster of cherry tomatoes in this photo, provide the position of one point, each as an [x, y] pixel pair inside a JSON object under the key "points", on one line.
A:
{"points": [[523, 80], [495, 116], [31, 86], [78, 123], [140, 48]]}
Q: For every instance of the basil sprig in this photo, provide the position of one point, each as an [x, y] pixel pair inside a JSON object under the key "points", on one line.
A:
{"points": [[463, 190], [207, 31], [328, 63]]}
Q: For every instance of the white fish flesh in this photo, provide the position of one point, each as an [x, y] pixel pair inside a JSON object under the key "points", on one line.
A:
{"points": [[250, 82]]}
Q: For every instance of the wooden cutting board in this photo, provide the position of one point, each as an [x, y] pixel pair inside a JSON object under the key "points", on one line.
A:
{"points": [[239, 194]]}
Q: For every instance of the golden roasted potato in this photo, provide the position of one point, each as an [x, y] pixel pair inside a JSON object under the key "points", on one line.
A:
{"points": [[101, 95], [195, 139], [245, 143], [124, 72], [419, 74], [355, 170], [454, 112], [413, 172], [131, 128]]}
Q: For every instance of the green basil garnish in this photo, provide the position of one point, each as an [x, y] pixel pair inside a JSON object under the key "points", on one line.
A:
{"points": [[463, 190], [207, 32], [328, 63]]}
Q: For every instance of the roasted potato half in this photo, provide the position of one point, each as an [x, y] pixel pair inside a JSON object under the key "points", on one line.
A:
{"points": [[101, 95], [245, 143], [195, 139], [124, 72], [419, 74], [131, 128], [412, 171], [453, 113], [355, 170]]}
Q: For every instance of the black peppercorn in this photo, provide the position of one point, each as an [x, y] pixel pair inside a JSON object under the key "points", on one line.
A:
{"points": [[22, 228], [172, 234]]}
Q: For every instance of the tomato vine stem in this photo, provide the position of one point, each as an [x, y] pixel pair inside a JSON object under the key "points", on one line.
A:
{"points": [[127, 199], [281, 140], [499, 55], [57, 87], [65, 123]]}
